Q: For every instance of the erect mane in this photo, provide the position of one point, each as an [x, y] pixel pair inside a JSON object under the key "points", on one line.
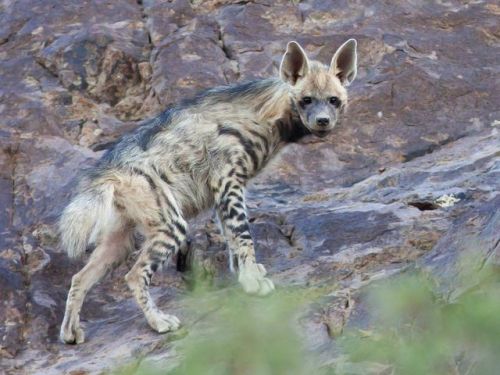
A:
{"points": [[267, 97]]}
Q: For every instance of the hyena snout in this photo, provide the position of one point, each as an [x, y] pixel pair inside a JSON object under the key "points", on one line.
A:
{"points": [[322, 125], [322, 122]]}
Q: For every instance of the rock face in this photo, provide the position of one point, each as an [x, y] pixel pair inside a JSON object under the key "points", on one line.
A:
{"points": [[410, 178]]}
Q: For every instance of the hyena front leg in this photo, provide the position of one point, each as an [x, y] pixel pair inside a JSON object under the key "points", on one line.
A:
{"points": [[111, 251], [230, 204]]}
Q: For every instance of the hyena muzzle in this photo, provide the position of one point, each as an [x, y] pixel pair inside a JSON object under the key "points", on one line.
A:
{"points": [[193, 156]]}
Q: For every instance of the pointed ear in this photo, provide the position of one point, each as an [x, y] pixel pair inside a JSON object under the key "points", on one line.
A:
{"points": [[345, 61], [294, 65]]}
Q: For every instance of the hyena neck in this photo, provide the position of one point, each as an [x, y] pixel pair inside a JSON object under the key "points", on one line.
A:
{"points": [[272, 103], [270, 100], [290, 127], [275, 107]]}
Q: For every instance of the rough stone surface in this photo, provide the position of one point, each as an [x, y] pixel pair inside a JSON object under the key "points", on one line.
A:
{"points": [[410, 178]]}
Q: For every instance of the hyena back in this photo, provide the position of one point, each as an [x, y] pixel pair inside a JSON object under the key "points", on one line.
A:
{"points": [[196, 155]]}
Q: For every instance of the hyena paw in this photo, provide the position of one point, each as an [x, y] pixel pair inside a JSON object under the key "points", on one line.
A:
{"points": [[252, 279], [162, 322], [72, 334]]}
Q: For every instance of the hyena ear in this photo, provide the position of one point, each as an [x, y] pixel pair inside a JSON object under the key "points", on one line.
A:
{"points": [[294, 65], [345, 61]]}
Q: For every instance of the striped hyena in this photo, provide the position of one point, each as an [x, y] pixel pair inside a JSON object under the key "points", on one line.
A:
{"points": [[195, 155]]}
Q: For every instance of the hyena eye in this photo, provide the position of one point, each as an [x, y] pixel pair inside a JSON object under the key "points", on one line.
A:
{"points": [[334, 101], [307, 100]]}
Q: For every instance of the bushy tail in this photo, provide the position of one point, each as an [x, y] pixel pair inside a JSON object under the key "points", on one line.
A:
{"points": [[88, 215]]}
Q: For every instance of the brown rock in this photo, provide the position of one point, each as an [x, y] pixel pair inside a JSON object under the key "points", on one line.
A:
{"points": [[409, 177]]}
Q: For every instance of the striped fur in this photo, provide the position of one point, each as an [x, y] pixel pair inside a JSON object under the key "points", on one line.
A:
{"points": [[195, 155]]}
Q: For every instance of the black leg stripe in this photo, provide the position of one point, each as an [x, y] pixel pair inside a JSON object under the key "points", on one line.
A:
{"points": [[261, 137], [180, 227], [240, 229], [226, 189], [240, 163], [177, 241]]}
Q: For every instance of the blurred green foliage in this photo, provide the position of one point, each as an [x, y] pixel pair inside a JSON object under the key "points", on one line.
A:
{"points": [[412, 332], [418, 333], [240, 335], [249, 336]]}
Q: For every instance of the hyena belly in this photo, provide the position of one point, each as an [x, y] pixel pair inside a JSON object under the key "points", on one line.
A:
{"points": [[184, 168]]}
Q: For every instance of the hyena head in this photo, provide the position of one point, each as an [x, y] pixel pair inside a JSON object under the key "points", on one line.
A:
{"points": [[318, 92]]}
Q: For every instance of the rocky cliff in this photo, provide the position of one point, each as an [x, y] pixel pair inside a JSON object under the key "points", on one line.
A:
{"points": [[409, 179]]}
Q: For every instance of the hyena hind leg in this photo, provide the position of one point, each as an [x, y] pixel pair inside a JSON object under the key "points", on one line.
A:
{"points": [[112, 250], [161, 243]]}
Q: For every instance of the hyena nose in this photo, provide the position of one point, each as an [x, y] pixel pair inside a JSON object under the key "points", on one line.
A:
{"points": [[322, 121]]}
